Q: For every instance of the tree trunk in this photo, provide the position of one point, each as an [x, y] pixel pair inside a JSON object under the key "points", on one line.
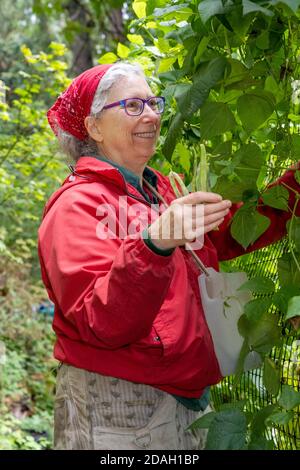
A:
{"points": [[117, 26], [81, 46]]}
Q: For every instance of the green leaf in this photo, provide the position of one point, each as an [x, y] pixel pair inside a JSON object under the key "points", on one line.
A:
{"points": [[271, 376], [293, 309], [256, 308], [207, 9], [258, 425], [243, 170], [165, 64], [215, 118], [264, 334], [122, 51], [261, 224], [292, 4], [152, 4], [293, 228], [182, 153], [108, 58], [248, 225], [251, 7], [288, 272], [172, 136], [139, 8], [282, 296], [227, 431], [295, 141], [178, 11], [277, 197], [260, 443], [280, 418], [243, 227], [203, 422], [136, 39], [255, 108], [261, 335], [207, 77], [259, 285], [289, 398]]}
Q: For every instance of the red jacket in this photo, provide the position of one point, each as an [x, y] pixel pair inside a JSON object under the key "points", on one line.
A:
{"points": [[120, 309]]}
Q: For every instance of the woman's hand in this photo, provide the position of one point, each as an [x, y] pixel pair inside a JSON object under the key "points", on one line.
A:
{"points": [[187, 218]]}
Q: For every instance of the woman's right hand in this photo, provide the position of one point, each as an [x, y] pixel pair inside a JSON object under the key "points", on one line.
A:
{"points": [[188, 218]]}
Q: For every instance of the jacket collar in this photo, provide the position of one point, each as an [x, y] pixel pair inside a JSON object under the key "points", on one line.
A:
{"points": [[94, 167], [91, 169]]}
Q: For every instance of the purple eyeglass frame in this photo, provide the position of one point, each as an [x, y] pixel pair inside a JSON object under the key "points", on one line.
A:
{"points": [[122, 103]]}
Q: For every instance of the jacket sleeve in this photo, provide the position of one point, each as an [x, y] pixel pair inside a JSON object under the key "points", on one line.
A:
{"points": [[110, 289], [228, 248]]}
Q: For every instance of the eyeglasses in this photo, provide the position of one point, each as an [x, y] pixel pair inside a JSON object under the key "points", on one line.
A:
{"points": [[135, 106]]}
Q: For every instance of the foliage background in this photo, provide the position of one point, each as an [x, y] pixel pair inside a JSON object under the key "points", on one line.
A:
{"points": [[229, 71]]}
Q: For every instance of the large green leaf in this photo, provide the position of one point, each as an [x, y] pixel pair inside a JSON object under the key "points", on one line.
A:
{"points": [[288, 272], [260, 443], [271, 376], [292, 4], [207, 9], [293, 309], [253, 7], [259, 285], [280, 418], [255, 108], [242, 169], [172, 136], [256, 308], [277, 197], [215, 118], [249, 160], [243, 227], [204, 421], [264, 334], [248, 225], [261, 224], [258, 425], [293, 227], [152, 4], [227, 431], [206, 78], [180, 11], [289, 398], [231, 189], [283, 295]]}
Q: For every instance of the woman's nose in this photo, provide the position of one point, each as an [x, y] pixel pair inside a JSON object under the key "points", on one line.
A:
{"points": [[149, 114]]}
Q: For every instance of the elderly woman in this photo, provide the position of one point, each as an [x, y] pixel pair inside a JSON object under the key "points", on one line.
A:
{"points": [[135, 352]]}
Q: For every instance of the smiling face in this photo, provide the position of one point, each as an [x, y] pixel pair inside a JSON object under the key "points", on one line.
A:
{"points": [[128, 140]]}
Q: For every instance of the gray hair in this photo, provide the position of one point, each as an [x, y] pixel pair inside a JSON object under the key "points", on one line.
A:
{"points": [[74, 147]]}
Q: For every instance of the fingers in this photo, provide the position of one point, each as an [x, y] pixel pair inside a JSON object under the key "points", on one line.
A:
{"points": [[214, 208], [212, 226], [212, 218], [198, 197]]}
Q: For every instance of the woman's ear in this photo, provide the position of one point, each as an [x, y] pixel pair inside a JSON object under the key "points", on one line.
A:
{"points": [[92, 126]]}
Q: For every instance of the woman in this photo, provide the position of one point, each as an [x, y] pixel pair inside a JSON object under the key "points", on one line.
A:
{"points": [[135, 352]]}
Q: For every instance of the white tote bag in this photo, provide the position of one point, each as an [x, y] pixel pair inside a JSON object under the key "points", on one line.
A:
{"points": [[223, 305]]}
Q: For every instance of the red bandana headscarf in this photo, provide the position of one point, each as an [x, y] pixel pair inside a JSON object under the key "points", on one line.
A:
{"points": [[74, 104]]}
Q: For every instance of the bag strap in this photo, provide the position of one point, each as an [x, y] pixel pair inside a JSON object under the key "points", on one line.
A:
{"points": [[196, 258]]}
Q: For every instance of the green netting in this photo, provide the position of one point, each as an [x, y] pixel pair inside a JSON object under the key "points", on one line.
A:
{"points": [[251, 388]]}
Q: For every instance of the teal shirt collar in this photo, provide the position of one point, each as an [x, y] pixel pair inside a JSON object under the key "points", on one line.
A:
{"points": [[133, 179]]}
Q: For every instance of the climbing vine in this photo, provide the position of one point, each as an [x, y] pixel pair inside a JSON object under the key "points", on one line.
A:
{"points": [[229, 71]]}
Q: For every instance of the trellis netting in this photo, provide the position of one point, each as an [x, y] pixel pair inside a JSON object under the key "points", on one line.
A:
{"points": [[251, 389]]}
